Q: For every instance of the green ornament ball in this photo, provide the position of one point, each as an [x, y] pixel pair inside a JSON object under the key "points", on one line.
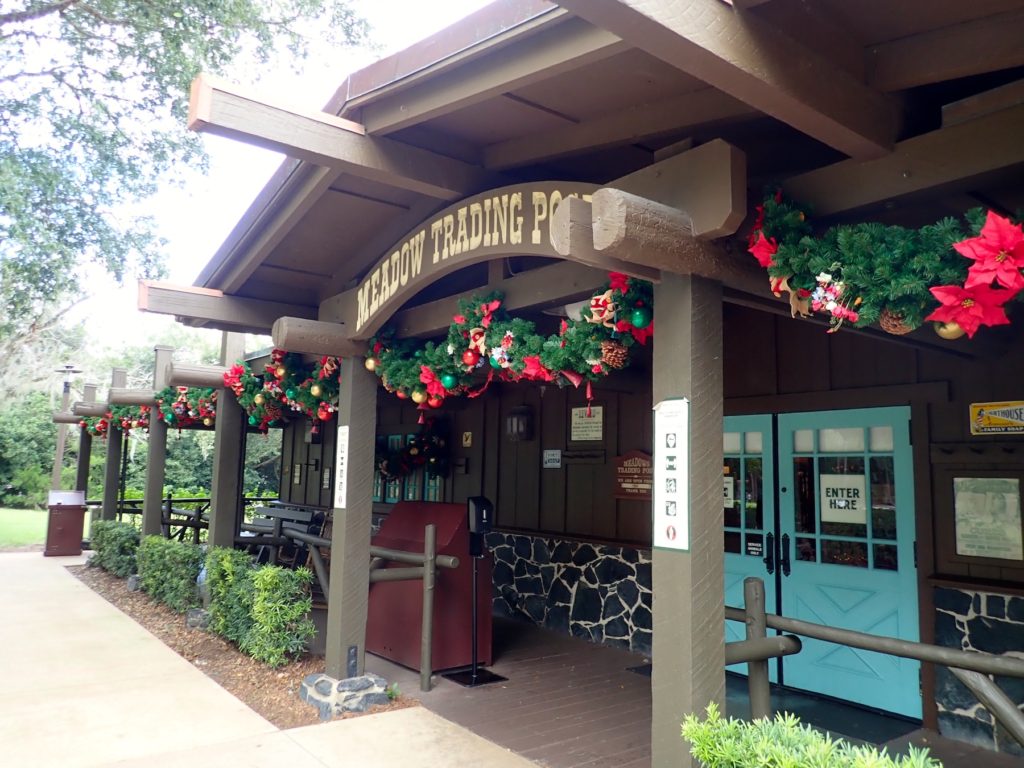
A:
{"points": [[449, 380], [495, 363], [641, 317], [253, 421], [290, 394]]}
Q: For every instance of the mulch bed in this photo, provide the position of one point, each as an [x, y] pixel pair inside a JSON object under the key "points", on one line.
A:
{"points": [[273, 693]]}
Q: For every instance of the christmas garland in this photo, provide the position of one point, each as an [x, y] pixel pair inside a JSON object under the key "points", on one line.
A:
{"points": [[428, 449], [288, 385], [897, 277], [177, 407], [484, 342]]}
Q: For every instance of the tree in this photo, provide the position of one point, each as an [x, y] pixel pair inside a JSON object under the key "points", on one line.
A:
{"points": [[93, 98]]}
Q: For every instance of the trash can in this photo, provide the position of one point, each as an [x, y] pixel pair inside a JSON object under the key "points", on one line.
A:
{"points": [[65, 524]]}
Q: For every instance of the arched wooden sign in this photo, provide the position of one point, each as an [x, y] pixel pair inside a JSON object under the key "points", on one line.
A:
{"points": [[509, 221]]}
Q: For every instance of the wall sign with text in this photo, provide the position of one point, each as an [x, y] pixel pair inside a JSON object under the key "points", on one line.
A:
{"points": [[671, 507]]}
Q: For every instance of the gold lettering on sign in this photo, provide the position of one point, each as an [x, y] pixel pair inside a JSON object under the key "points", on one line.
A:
{"points": [[500, 218]]}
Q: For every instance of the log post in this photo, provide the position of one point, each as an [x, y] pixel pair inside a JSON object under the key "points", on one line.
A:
{"points": [[152, 511], [112, 468], [315, 337], [190, 375], [85, 446], [350, 533], [228, 443], [688, 610]]}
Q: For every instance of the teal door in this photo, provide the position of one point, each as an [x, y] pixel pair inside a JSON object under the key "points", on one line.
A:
{"points": [[748, 477], [844, 546]]}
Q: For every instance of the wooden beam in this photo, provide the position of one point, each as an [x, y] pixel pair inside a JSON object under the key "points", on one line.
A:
{"points": [[191, 375], [572, 235], [984, 103], [65, 417], [566, 46], [123, 396], [747, 58], [974, 47], [625, 126], [314, 337], [540, 288], [215, 308], [81, 409], [330, 141], [943, 157]]}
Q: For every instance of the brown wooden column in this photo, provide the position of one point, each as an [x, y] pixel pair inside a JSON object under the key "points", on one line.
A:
{"points": [[85, 446], [350, 535], [689, 621], [156, 460], [228, 453], [112, 469]]}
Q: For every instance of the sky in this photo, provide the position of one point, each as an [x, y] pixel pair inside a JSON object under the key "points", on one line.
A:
{"points": [[197, 218]]}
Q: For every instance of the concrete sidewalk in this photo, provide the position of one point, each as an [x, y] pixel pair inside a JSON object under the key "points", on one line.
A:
{"points": [[81, 684]]}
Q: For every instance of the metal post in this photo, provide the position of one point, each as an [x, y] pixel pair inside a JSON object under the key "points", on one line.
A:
{"points": [[757, 628], [994, 700], [427, 625], [62, 429]]}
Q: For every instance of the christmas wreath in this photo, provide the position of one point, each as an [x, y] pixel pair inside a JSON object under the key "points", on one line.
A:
{"points": [[287, 386], [484, 342], [428, 449], [894, 276], [177, 407]]}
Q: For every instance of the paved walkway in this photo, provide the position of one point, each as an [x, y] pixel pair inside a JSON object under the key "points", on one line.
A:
{"points": [[81, 684]]}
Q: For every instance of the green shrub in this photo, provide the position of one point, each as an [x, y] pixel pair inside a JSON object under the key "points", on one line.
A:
{"points": [[115, 545], [783, 743], [168, 570], [229, 579], [281, 626]]}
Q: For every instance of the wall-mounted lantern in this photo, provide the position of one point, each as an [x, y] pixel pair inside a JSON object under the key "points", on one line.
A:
{"points": [[519, 424]]}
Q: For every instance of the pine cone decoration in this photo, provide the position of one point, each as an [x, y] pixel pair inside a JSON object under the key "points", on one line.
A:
{"points": [[891, 322], [613, 354], [273, 411]]}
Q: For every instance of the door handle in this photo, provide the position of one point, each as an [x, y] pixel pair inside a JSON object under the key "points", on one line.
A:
{"points": [[769, 557], [784, 556]]}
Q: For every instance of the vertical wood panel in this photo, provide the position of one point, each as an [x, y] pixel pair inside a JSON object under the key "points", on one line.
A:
{"points": [[553, 483], [492, 459], [803, 352], [750, 365]]}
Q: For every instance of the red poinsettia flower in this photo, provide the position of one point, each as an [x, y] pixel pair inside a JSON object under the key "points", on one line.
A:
{"points": [[533, 369], [434, 385], [998, 254], [618, 281], [970, 308], [763, 250]]}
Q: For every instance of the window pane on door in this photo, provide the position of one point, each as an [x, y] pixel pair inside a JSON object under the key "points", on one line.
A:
{"points": [[853, 553], [841, 440], [752, 494], [883, 498], [803, 494], [730, 481]]}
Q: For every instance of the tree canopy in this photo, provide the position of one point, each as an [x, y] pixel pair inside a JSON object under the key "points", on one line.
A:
{"points": [[93, 99]]}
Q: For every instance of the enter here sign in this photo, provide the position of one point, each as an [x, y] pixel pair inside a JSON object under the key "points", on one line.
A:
{"points": [[843, 499]]}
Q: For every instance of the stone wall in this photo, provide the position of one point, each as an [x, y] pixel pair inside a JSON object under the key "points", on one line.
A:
{"points": [[598, 592], [988, 623]]}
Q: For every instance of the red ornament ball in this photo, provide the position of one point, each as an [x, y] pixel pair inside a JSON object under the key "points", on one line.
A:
{"points": [[470, 357], [401, 395], [435, 402]]}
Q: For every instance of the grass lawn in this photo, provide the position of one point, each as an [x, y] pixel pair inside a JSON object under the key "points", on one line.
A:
{"points": [[21, 527]]}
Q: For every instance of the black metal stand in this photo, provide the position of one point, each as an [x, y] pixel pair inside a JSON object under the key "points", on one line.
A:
{"points": [[475, 675]]}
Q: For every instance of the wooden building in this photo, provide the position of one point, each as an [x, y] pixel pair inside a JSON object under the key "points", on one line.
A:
{"points": [[901, 113]]}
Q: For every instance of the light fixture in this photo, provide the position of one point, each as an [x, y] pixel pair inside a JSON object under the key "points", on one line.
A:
{"points": [[519, 424]]}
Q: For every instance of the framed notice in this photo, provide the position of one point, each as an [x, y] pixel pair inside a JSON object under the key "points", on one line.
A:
{"points": [[584, 427], [634, 476], [843, 499], [987, 516], [341, 469], [1006, 418], [671, 505]]}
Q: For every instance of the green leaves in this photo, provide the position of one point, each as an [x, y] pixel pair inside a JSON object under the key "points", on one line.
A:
{"points": [[116, 546], [168, 570]]}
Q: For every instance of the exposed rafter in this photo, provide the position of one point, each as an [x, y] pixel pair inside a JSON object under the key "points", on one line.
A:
{"points": [[214, 309], [752, 61], [943, 157], [624, 126], [332, 142], [569, 45], [983, 45]]}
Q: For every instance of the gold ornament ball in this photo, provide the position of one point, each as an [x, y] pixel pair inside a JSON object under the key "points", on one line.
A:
{"points": [[419, 396], [281, 371], [259, 399], [371, 364], [949, 331], [315, 390], [207, 421]]}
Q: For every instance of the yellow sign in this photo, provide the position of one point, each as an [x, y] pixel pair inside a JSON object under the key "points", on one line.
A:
{"points": [[508, 221], [997, 418]]}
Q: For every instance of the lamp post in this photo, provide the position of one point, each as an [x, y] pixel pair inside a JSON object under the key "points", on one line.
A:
{"points": [[58, 461]]}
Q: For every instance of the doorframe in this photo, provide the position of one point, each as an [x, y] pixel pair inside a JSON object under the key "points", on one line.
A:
{"points": [[919, 397]]}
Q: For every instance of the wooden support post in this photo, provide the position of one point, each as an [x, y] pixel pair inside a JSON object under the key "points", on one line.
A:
{"points": [[314, 337], [689, 644], [350, 534], [427, 619], [112, 468], [757, 628], [228, 453], [85, 446], [157, 455]]}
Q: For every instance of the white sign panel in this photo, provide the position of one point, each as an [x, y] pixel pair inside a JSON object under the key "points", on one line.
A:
{"points": [[584, 427], [671, 474], [728, 492], [341, 469], [988, 517], [553, 459], [843, 499]]}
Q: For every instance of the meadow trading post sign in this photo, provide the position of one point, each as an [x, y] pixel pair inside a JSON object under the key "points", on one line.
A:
{"points": [[510, 221]]}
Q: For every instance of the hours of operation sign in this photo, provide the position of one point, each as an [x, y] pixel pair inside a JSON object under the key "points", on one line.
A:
{"points": [[671, 474]]}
